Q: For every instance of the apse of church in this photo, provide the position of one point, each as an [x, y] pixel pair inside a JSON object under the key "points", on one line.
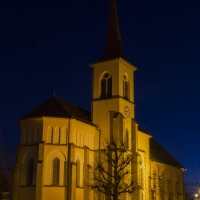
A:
{"points": [[60, 142]]}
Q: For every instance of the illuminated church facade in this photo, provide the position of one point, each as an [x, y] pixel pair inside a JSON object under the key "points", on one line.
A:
{"points": [[59, 141]]}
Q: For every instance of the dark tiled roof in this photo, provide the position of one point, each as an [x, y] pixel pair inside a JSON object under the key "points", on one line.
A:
{"points": [[56, 107], [143, 130], [159, 154]]}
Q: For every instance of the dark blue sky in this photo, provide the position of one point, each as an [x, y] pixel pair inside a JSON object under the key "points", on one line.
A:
{"points": [[47, 46]]}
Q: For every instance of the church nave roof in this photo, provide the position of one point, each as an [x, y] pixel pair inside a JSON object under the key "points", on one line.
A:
{"points": [[56, 107]]}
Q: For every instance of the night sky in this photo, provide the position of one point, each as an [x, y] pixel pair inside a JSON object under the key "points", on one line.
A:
{"points": [[46, 46]]}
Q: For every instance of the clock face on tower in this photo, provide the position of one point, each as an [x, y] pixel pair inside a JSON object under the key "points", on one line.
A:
{"points": [[126, 111]]}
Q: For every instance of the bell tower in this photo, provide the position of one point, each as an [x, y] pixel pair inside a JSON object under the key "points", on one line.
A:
{"points": [[113, 79]]}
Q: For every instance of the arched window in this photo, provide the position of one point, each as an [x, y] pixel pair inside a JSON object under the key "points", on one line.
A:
{"points": [[103, 88], [141, 175], [141, 172], [30, 167], [90, 174], [125, 87], [106, 86], [56, 171], [78, 173]]}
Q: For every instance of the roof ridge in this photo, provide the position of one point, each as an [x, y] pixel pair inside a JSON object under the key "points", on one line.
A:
{"points": [[57, 107], [173, 161], [47, 106], [59, 99]]}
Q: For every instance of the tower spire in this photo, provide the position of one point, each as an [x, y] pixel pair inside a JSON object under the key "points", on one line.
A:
{"points": [[113, 46]]}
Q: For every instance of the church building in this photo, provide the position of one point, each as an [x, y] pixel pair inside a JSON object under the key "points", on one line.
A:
{"points": [[59, 141]]}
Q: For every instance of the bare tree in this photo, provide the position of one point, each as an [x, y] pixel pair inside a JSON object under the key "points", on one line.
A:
{"points": [[112, 172], [158, 182], [4, 171], [4, 181]]}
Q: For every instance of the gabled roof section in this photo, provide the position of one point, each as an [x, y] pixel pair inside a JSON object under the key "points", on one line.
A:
{"points": [[159, 154], [56, 107], [144, 130], [113, 46]]}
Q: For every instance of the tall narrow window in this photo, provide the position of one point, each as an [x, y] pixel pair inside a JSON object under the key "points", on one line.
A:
{"points": [[125, 87], [30, 168], [126, 139], [78, 173], [56, 171], [141, 174], [103, 88], [106, 86]]}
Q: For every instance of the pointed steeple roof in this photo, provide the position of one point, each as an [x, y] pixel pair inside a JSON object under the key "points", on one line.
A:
{"points": [[113, 46]]}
